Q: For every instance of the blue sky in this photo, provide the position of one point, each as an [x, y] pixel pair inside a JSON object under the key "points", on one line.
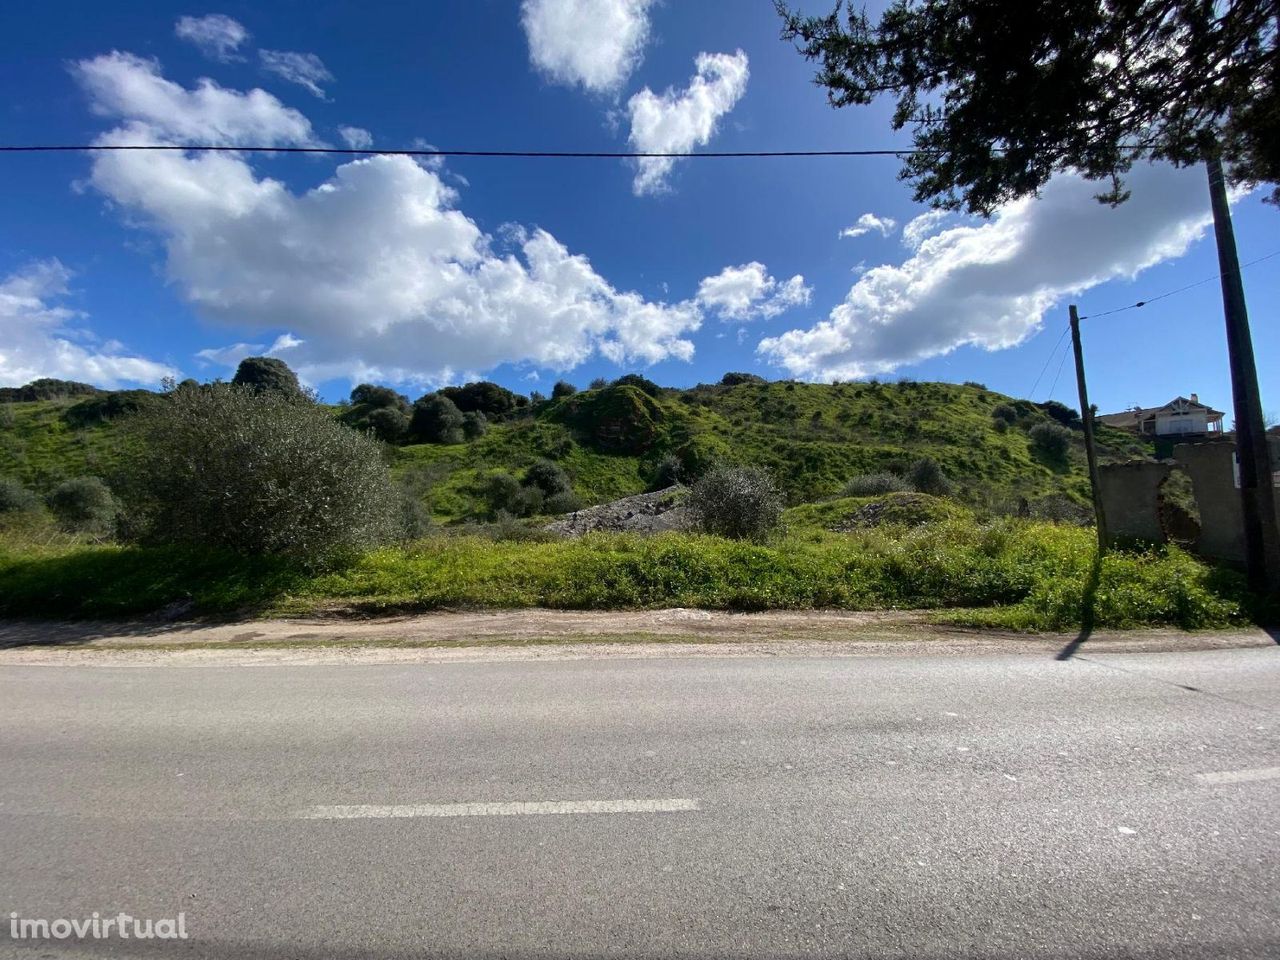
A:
{"points": [[119, 269]]}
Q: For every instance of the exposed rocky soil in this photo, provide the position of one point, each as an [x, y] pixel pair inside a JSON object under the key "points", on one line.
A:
{"points": [[910, 508], [643, 513]]}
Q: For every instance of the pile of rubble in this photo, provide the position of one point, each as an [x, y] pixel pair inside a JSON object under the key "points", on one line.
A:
{"points": [[644, 513]]}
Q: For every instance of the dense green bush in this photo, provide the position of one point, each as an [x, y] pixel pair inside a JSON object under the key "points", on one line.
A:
{"points": [[544, 489], [15, 498], [267, 375], [489, 398], [566, 501], [474, 425], [1003, 412], [925, 476], [436, 419], [741, 503], [599, 383], [374, 397], [733, 379], [1051, 441], [549, 477], [504, 495], [389, 424], [874, 484], [563, 388], [83, 504], [1060, 412], [46, 388], [258, 473], [643, 384]]}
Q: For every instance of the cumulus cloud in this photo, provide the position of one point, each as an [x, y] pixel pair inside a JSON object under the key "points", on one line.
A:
{"points": [[123, 85], [677, 121], [357, 138], [989, 285], [305, 69], [217, 35], [748, 293], [38, 336], [376, 272], [592, 43], [923, 226], [867, 223]]}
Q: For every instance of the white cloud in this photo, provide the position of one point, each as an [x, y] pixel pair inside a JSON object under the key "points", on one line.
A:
{"points": [[868, 222], [376, 269], [924, 226], [121, 84], [217, 35], [989, 285], [357, 138], [679, 121], [748, 292], [592, 43], [231, 355], [305, 69], [38, 336]]}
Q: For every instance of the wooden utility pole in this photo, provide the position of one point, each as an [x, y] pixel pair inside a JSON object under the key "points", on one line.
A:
{"points": [[1257, 500], [1090, 451]]}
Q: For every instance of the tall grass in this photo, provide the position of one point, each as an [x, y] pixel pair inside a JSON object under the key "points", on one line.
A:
{"points": [[1018, 574]]}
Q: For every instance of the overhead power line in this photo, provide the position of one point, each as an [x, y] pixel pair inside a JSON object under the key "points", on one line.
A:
{"points": [[432, 152], [1061, 363], [436, 152], [1048, 360], [1170, 293]]}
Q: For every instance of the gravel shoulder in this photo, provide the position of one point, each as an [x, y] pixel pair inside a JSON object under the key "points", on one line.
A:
{"points": [[560, 635]]}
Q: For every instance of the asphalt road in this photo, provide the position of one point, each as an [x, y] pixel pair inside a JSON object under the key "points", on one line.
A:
{"points": [[993, 806]]}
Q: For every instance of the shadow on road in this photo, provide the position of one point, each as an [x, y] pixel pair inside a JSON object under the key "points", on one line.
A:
{"points": [[1087, 612], [15, 634]]}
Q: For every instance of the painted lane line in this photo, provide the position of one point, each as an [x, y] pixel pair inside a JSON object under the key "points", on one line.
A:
{"points": [[1241, 776], [526, 808]]}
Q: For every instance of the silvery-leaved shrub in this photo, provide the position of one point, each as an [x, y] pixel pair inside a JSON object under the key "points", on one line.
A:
{"points": [[741, 503], [874, 484], [15, 498], [83, 504], [258, 472]]}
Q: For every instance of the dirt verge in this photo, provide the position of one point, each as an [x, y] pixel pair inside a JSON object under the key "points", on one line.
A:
{"points": [[554, 634]]}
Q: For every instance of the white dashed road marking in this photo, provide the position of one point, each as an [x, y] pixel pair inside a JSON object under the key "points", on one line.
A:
{"points": [[526, 808], [1240, 776]]}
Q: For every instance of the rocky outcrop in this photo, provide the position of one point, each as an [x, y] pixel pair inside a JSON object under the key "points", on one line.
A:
{"points": [[644, 513]]}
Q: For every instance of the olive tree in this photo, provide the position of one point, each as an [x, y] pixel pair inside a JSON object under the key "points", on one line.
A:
{"points": [[256, 472], [742, 503], [83, 504]]}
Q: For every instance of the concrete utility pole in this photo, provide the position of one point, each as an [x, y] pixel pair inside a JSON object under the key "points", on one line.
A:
{"points": [[1257, 500], [1091, 453]]}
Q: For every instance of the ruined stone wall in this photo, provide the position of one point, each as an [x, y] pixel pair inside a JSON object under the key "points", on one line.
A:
{"points": [[1130, 498], [1212, 470]]}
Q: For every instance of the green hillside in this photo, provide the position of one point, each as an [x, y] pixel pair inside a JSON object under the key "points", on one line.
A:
{"points": [[812, 437]]}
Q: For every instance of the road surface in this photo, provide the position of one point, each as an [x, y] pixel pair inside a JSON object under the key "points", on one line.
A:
{"points": [[1113, 805]]}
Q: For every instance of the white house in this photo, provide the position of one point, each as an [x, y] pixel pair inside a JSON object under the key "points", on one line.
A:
{"points": [[1181, 416]]}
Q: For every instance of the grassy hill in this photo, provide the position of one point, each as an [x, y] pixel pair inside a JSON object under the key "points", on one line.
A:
{"points": [[812, 437]]}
